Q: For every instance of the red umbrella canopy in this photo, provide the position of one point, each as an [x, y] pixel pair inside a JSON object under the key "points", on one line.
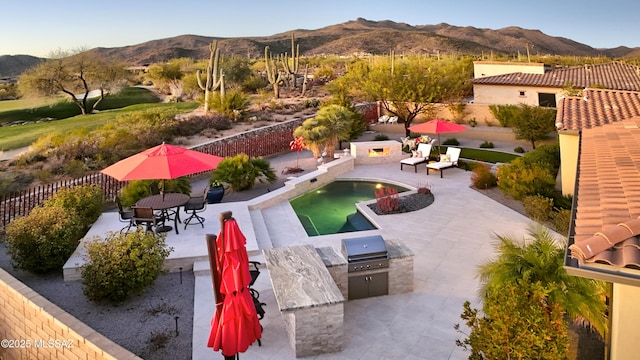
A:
{"points": [[235, 325], [162, 162], [437, 126]]}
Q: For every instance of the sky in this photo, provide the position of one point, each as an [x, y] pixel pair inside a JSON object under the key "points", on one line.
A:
{"points": [[42, 27]]}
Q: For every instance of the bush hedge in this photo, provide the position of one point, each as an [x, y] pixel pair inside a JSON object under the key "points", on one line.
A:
{"points": [[123, 264], [43, 240], [538, 207], [482, 177]]}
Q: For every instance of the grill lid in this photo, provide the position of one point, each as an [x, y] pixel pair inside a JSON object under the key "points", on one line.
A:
{"points": [[364, 248]]}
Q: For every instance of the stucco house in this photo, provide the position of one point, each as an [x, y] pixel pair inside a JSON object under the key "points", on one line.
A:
{"points": [[537, 84], [599, 137]]}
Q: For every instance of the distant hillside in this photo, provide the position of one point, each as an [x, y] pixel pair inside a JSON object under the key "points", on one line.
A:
{"points": [[362, 36], [14, 65]]}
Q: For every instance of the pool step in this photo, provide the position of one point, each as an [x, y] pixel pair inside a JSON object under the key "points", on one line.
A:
{"points": [[260, 229]]}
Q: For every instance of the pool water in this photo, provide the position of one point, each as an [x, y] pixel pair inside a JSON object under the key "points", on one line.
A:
{"points": [[331, 208]]}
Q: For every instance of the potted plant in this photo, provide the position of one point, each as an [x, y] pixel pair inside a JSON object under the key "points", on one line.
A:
{"points": [[215, 193]]}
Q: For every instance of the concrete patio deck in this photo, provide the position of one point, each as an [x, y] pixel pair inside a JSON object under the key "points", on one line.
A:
{"points": [[450, 239]]}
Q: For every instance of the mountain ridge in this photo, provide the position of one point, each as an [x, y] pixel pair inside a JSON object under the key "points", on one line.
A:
{"points": [[348, 38]]}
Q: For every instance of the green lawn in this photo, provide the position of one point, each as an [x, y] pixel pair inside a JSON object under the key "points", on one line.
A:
{"points": [[31, 110], [490, 156], [14, 137]]}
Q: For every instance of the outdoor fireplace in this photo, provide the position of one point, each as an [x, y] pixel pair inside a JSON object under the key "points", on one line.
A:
{"points": [[379, 152]]}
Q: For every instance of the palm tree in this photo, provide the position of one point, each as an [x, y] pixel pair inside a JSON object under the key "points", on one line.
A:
{"points": [[540, 260], [331, 124]]}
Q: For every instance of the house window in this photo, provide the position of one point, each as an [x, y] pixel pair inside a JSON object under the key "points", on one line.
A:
{"points": [[547, 100], [521, 93]]}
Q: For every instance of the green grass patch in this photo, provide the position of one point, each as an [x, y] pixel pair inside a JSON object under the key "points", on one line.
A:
{"points": [[489, 156], [23, 104], [32, 110], [15, 137]]}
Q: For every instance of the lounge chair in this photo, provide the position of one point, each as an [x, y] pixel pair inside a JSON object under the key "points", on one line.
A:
{"points": [[450, 159], [383, 119], [421, 155], [393, 120]]}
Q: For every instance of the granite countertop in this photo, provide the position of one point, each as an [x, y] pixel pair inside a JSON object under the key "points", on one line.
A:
{"points": [[300, 279], [397, 249], [331, 256]]}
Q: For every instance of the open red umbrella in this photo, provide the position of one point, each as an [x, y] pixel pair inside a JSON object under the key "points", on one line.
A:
{"points": [[235, 325], [162, 162], [437, 126]]}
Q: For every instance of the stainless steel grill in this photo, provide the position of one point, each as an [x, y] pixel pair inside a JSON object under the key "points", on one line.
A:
{"points": [[365, 253]]}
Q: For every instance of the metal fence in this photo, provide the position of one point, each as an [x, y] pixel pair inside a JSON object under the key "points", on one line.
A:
{"points": [[265, 141]]}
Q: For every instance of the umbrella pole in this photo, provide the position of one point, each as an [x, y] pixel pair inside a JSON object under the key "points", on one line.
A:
{"points": [[213, 258]]}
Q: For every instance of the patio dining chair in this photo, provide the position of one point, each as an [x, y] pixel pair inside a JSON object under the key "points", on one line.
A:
{"points": [[196, 205], [145, 216], [125, 216]]}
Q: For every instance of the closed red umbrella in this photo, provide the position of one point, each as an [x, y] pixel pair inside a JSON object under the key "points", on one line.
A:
{"points": [[437, 126], [235, 324], [162, 162]]}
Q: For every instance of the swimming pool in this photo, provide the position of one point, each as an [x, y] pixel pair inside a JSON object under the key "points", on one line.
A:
{"points": [[331, 209]]}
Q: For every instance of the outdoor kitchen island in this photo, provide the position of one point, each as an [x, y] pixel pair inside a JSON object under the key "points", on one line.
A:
{"points": [[311, 284], [311, 304]]}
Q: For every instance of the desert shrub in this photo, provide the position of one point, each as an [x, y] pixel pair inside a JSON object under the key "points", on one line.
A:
{"points": [[387, 199], [504, 113], [538, 207], [11, 181], [195, 124], [138, 189], [43, 240], [519, 150], [486, 145], [546, 156], [482, 177], [381, 137], [123, 264], [451, 141], [424, 189], [561, 220], [519, 179], [473, 122], [233, 103], [85, 201], [562, 201], [241, 172]]}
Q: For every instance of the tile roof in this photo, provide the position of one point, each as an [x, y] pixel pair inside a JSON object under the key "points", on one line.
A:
{"points": [[613, 75], [607, 218], [596, 107]]}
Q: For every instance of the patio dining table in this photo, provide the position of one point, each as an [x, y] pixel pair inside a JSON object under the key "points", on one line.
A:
{"points": [[164, 202]]}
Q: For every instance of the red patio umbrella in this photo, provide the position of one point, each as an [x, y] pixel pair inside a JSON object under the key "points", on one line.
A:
{"points": [[235, 325], [162, 162], [437, 126]]}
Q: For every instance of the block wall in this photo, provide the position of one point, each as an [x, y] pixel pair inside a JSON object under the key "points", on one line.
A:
{"points": [[31, 327]]}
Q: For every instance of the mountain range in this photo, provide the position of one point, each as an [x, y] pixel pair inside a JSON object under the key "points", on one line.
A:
{"points": [[352, 37]]}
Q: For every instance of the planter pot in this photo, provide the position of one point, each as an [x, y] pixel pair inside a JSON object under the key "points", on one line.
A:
{"points": [[215, 194]]}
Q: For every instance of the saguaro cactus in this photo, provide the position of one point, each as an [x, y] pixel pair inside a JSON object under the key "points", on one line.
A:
{"points": [[214, 81], [274, 76], [292, 65]]}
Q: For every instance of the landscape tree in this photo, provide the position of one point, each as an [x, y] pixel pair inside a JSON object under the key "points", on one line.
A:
{"points": [[75, 74], [411, 87], [533, 123]]}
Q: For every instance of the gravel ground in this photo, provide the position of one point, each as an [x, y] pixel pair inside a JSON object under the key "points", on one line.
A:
{"points": [[145, 324]]}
